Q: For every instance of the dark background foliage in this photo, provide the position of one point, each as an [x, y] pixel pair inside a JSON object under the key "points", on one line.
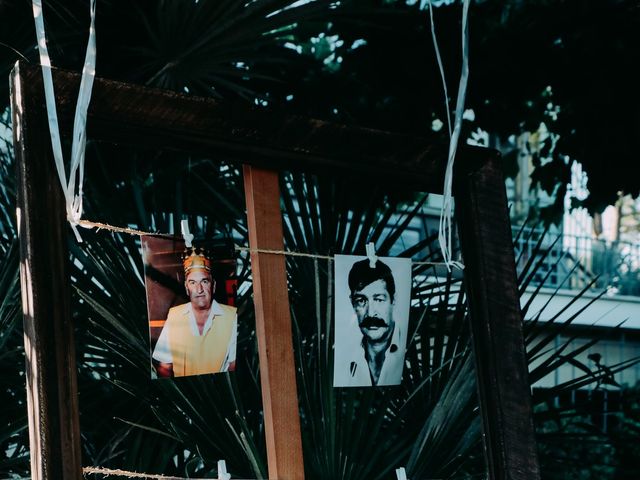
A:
{"points": [[388, 79], [361, 62]]}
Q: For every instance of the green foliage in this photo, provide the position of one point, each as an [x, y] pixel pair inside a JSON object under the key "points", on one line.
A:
{"points": [[623, 434], [268, 52], [338, 425], [570, 445], [14, 443], [615, 449], [429, 424], [371, 62]]}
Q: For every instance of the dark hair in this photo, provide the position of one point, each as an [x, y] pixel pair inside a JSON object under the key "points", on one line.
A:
{"points": [[362, 274]]}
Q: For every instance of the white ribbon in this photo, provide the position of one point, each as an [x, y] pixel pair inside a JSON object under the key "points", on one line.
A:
{"points": [[446, 214], [72, 188], [434, 38]]}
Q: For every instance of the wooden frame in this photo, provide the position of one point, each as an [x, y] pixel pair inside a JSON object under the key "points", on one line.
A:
{"points": [[264, 143]]}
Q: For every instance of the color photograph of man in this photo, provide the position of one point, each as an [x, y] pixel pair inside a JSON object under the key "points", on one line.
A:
{"points": [[371, 319], [199, 336]]}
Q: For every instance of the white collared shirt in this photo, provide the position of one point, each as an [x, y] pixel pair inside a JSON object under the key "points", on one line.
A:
{"points": [[352, 369], [162, 352]]}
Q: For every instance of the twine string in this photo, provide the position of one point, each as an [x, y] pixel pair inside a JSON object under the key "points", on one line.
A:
{"points": [[133, 231], [125, 473], [107, 472], [400, 473]]}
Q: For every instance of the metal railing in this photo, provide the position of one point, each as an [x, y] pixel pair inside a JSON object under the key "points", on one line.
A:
{"points": [[573, 261]]}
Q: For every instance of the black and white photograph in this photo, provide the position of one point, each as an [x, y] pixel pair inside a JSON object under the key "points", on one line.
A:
{"points": [[372, 302]]}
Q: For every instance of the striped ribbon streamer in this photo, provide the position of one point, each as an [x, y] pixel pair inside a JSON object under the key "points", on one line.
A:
{"points": [[71, 186]]}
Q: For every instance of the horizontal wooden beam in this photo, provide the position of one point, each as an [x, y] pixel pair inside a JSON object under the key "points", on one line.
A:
{"points": [[159, 119]]}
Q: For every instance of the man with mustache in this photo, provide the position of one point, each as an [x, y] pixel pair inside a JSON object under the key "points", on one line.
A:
{"points": [[378, 357], [199, 336]]}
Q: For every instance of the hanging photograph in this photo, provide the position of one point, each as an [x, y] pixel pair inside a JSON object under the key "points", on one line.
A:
{"points": [[191, 294], [372, 301]]}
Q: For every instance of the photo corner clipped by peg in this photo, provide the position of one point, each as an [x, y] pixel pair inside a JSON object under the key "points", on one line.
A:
{"points": [[222, 471], [371, 254], [401, 474], [186, 234]]}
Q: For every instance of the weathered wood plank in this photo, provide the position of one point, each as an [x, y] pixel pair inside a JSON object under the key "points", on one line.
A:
{"points": [[273, 326], [54, 428], [490, 278], [135, 115]]}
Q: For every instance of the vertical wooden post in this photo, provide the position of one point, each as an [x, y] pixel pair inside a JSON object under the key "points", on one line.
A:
{"points": [[52, 404], [490, 277], [273, 326]]}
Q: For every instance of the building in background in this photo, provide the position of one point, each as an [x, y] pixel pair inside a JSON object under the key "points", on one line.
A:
{"points": [[595, 258]]}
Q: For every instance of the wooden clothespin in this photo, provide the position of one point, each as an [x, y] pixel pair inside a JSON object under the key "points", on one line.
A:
{"points": [[401, 474], [188, 237], [222, 467], [371, 255]]}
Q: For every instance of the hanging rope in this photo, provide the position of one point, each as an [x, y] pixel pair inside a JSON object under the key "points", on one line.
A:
{"points": [[445, 232], [222, 473], [133, 231], [125, 473], [71, 186]]}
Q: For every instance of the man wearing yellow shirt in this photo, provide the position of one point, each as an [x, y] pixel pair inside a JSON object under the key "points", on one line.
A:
{"points": [[200, 336]]}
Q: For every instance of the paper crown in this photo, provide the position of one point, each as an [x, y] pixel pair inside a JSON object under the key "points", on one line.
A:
{"points": [[194, 258]]}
